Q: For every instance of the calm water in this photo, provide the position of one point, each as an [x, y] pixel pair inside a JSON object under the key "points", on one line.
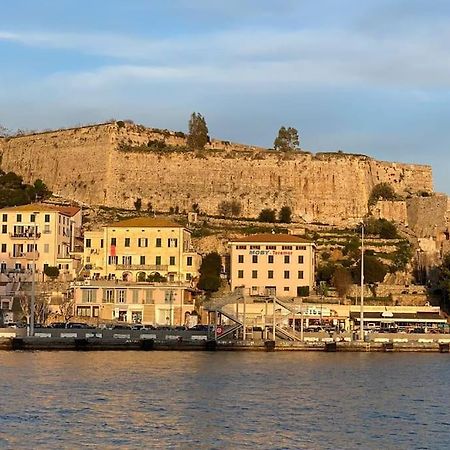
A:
{"points": [[224, 400]]}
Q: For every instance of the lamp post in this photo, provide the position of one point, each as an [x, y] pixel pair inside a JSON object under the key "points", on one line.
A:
{"points": [[361, 317], [33, 275]]}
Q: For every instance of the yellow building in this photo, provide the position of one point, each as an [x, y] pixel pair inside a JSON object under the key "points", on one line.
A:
{"points": [[146, 303], [275, 264], [42, 232], [141, 249]]}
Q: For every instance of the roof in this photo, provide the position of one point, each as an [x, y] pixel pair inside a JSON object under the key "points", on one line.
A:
{"points": [[145, 222], [43, 207], [269, 237]]}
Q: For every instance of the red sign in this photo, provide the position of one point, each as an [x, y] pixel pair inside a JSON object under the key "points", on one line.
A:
{"points": [[219, 330]]}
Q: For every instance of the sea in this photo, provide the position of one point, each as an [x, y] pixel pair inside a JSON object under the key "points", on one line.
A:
{"points": [[224, 400]]}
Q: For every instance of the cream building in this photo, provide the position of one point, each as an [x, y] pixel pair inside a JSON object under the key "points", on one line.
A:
{"points": [[42, 232], [276, 264], [146, 303], [141, 249]]}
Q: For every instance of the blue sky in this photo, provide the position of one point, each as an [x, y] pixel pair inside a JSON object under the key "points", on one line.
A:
{"points": [[368, 76]]}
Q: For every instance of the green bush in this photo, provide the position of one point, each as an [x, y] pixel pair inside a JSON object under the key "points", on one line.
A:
{"points": [[210, 270], [285, 215], [382, 191], [51, 271]]}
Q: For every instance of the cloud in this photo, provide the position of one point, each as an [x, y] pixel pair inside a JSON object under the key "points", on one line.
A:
{"points": [[260, 56]]}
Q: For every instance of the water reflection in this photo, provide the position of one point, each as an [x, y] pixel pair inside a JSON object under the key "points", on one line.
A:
{"points": [[223, 400]]}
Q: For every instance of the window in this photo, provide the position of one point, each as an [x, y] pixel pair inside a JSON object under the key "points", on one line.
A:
{"points": [[32, 218], [286, 289], [3, 248], [240, 259], [126, 260], [286, 274], [127, 242], [271, 247], [172, 242], [254, 274], [172, 261], [254, 259], [5, 217], [47, 218], [158, 260], [142, 260], [300, 247], [121, 296], [189, 261], [240, 274], [135, 298], [108, 295], [270, 274], [142, 242], [88, 295], [241, 247], [287, 259], [47, 229], [88, 243], [188, 277], [286, 247], [4, 229], [19, 218], [300, 259], [46, 248], [270, 259], [113, 260], [148, 296], [255, 247], [158, 242], [83, 311], [113, 241], [300, 274], [101, 243]]}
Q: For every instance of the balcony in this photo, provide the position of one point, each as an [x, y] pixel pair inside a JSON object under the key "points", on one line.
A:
{"points": [[26, 235], [152, 267], [26, 255]]}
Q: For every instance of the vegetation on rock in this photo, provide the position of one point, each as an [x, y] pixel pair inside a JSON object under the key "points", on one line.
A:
{"points": [[198, 132], [287, 140]]}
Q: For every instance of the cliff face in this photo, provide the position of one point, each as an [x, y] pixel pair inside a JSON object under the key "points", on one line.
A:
{"points": [[85, 164]]}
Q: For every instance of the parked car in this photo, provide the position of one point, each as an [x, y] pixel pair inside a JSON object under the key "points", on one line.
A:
{"points": [[121, 327], [79, 325], [314, 329], [57, 325]]}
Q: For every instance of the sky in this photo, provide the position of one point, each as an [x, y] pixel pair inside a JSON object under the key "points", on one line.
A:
{"points": [[369, 76]]}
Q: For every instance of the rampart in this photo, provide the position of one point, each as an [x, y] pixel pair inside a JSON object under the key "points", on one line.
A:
{"points": [[109, 165]]}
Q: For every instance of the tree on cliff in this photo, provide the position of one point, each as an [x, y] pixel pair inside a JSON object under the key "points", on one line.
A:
{"points": [[287, 140], [342, 280], [285, 215], [382, 191], [198, 132], [267, 215]]}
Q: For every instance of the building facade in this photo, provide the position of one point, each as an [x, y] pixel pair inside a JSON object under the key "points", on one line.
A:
{"points": [[275, 264], [141, 249], [133, 302], [40, 232]]}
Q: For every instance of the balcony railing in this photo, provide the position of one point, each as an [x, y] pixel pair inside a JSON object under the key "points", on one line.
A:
{"points": [[141, 267], [27, 235], [26, 255]]}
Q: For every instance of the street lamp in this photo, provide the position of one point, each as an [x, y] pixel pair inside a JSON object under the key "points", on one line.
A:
{"points": [[33, 274], [361, 317]]}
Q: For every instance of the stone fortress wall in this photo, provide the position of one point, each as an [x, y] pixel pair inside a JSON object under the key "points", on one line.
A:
{"points": [[85, 164]]}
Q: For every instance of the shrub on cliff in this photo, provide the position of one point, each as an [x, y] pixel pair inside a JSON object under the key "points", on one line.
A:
{"points": [[342, 280], [374, 270], [285, 215], [198, 132], [381, 191], [267, 215], [287, 140], [230, 208], [379, 227]]}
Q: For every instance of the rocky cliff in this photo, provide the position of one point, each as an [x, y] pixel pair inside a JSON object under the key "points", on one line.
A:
{"points": [[112, 164]]}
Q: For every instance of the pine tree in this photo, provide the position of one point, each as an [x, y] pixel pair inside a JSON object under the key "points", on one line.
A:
{"points": [[198, 132]]}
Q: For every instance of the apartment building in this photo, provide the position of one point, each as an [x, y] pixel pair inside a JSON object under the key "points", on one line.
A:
{"points": [[42, 232], [141, 249], [133, 302], [276, 264]]}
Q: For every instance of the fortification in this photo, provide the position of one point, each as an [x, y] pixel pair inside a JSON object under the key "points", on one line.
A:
{"points": [[113, 164]]}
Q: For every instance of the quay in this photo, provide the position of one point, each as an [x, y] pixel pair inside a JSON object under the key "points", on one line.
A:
{"points": [[184, 340]]}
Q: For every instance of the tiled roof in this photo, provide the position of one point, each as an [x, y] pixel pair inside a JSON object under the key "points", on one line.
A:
{"points": [[269, 238], [145, 222], [43, 207]]}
